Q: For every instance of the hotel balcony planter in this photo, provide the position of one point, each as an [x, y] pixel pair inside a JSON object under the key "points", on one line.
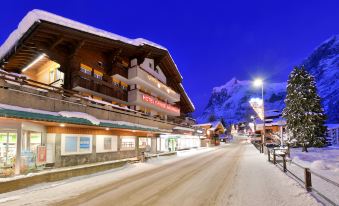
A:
{"points": [[136, 97], [138, 76]]}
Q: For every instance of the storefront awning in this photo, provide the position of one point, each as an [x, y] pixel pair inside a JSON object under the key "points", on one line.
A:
{"points": [[9, 111]]}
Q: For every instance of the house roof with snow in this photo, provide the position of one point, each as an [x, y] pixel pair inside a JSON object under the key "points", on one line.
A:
{"points": [[40, 31], [211, 125]]}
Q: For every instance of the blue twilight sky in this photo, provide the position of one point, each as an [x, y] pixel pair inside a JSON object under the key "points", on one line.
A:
{"points": [[210, 41]]}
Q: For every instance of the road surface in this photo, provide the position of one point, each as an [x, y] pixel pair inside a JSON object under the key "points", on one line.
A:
{"points": [[235, 174]]}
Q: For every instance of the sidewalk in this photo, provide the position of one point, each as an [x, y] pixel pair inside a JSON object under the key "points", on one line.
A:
{"points": [[50, 175]]}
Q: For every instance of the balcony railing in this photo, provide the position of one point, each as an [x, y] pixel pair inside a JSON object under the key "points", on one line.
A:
{"points": [[139, 76], [120, 71], [29, 85], [97, 85]]}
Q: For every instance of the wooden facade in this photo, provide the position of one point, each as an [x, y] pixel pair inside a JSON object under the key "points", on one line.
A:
{"points": [[70, 48]]}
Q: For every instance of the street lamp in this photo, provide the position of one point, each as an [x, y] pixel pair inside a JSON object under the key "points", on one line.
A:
{"points": [[258, 83]]}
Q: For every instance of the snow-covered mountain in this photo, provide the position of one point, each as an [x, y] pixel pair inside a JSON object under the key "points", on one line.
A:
{"points": [[323, 64], [231, 101]]}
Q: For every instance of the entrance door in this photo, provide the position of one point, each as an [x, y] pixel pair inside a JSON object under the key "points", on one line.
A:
{"points": [[172, 144]]}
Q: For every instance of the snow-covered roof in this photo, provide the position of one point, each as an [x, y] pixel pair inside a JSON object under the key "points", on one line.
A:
{"points": [[36, 16], [189, 99], [213, 125], [71, 114], [184, 129]]}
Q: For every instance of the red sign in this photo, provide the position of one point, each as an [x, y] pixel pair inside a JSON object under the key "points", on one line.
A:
{"points": [[41, 155], [160, 104]]}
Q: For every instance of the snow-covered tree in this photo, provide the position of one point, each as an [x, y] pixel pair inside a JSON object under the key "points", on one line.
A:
{"points": [[303, 112]]}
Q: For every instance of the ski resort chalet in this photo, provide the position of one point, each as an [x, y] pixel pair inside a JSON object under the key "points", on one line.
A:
{"points": [[73, 94], [211, 132]]}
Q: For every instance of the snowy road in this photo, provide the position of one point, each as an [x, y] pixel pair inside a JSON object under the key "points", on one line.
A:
{"points": [[235, 174]]}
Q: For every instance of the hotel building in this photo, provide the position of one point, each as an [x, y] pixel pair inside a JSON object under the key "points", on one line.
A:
{"points": [[73, 94]]}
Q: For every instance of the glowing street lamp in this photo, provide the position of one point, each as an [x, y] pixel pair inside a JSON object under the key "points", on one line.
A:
{"points": [[258, 83]]}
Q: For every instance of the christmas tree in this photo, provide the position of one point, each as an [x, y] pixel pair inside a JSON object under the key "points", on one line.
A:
{"points": [[303, 112]]}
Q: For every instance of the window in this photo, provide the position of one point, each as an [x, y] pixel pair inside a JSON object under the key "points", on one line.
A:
{"points": [[98, 74], [71, 144], [106, 143], [127, 143], [76, 144], [86, 69], [143, 142], [51, 75], [59, 74]]}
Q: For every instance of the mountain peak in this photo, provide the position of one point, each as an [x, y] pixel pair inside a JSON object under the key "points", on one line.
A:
{"points": [[229, 85]]}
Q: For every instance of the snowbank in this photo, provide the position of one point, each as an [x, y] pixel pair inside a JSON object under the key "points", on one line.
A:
{"points": [[324, 161], [81, 115]]}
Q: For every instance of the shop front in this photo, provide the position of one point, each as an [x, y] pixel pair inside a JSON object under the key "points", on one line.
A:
{"points": [[175, 142], [23, 140]]}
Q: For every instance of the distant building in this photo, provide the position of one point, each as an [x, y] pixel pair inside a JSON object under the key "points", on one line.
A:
{"points": [[332, 134], [212, 131]]}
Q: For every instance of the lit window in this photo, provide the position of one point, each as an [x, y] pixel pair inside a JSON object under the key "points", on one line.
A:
{"points": [[98, 74], [86, 69], [127, 143]]}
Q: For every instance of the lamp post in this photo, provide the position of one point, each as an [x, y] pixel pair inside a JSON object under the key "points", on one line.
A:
{"points": [[257, 83]]}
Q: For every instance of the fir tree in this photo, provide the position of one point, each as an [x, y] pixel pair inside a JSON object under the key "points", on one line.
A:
{"points": [[303, 112]]}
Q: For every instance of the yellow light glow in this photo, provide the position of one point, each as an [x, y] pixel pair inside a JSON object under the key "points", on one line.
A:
{"points": [[62, 125], [33, 62], [258, 82]]}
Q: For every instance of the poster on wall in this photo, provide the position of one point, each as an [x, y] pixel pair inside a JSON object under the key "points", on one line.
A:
{"points": [[85, 143], [41, 155]]}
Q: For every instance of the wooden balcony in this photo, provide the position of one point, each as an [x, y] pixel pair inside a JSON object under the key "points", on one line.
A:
{"points": [[120, 71], [93, 84]]}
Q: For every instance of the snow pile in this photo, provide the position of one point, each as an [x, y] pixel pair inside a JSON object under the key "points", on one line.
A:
{"points": [[319, 165], [38, 15], [81, 115], [23, 109], [324, 161], [14, 74], [109, 104], [129, 124]]}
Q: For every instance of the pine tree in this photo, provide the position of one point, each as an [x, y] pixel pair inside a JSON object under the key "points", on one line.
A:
{"points": [[303, 112]]}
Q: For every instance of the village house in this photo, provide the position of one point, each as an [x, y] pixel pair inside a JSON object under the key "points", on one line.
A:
{"points": [[212, 132]]}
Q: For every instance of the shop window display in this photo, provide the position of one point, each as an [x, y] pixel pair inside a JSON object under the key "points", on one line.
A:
{"points": [[7, 153]]}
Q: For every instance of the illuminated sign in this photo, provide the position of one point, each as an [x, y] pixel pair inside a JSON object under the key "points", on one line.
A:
{"points": [[160, 104]]}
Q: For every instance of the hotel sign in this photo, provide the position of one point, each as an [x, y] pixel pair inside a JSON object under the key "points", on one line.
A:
{"points": [[160, 104]]}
